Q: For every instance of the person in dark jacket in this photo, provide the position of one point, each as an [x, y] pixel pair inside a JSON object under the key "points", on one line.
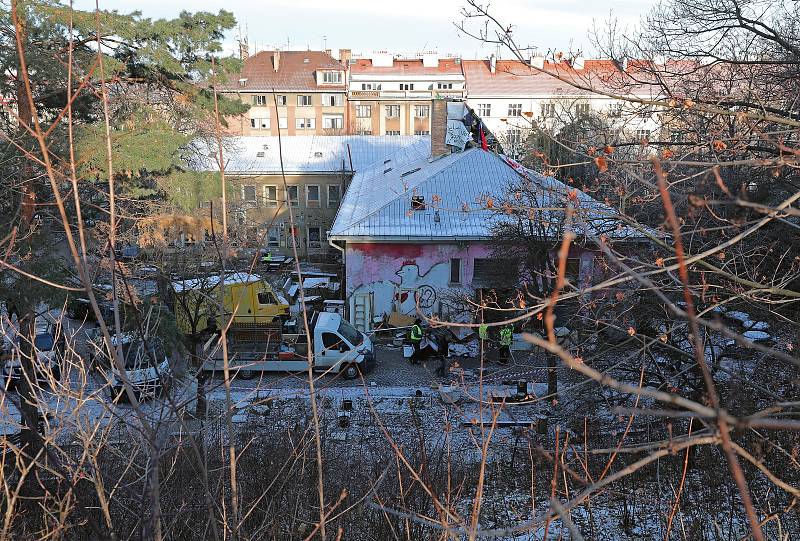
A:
{"points": [[506, 338], [443, 346]]}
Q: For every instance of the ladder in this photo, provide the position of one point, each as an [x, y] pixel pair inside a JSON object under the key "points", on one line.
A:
{"points": [[362, 318]]}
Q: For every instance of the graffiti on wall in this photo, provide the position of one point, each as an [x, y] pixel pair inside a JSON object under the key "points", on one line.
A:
{"points": [[410, 286]]}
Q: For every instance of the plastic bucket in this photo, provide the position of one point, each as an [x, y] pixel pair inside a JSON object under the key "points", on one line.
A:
{"points": [[408, 351]]}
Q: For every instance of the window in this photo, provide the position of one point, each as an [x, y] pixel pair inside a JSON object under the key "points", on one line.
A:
{"points": [[259, 99], [273, 236], [573, 269], [332, 100], [332, 122], [363, 111], [370, 86], [292, 196], [392, 111], [314, 237], [312, 195], [392, 132], [582, 109], [259, 123], [615, 110], [444, 86], [514, 109], [421, 132], [455, 270], [514, 141], [676, 136], [334, 195], [406, 86], [514, 136], [303, 100], [283, 123], [484, 110], [271, 196], [548, 110], [363, 132], [266, 297], [282, 100], [645, 114], [422, 111], [331, 341], [643, 135], [305, 123], [249, 193], [332, 77]]}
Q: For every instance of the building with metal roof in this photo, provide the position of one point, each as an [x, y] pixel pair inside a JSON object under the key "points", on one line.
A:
{"points": [[417, 229]]}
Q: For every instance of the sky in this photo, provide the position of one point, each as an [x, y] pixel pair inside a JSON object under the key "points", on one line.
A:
{"points": [[404, 26]]}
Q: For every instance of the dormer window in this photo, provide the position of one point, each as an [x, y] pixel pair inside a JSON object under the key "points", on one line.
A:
{"points": [[243, 81], [332, 77]]}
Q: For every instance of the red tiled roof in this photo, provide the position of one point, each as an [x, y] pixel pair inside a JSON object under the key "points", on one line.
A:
{"points": [[513, 77], [446, 66], [294, 73]]}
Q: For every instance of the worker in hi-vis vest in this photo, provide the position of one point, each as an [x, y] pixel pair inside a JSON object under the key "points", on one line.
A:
{"points": [[416, 336], [267, 258], [483, 335], [506, 337]]}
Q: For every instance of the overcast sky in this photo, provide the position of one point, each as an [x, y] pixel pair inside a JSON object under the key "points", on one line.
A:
{"points": [[403, 26]]}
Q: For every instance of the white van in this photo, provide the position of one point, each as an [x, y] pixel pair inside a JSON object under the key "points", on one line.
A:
{"points": [[337, 345]]}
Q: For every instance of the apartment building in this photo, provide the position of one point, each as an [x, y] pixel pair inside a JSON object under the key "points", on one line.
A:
{"points": [[512, 97], [316, 170], [393, 96], [291, 92]]}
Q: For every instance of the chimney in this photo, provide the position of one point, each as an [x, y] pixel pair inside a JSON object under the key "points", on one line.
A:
{"points": [[276, 60], [493, 64], [439, 128], [244, 49], [578, 63], [537, 61], [625, 64], [328, 52], [345, 55]]}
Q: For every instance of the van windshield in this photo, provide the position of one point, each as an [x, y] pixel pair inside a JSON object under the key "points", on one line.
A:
{"points": [[44, 342], [137, 357], [349, 333]]}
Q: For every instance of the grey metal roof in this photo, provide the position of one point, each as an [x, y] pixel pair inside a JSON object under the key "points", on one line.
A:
{"points": [[377, 204], [301, 154]]}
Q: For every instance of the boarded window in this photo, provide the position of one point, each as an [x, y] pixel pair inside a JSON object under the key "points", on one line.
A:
{"points": [[489, 272]]}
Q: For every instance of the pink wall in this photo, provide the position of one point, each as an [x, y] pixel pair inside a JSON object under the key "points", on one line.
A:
{"points": [[388, 276]]}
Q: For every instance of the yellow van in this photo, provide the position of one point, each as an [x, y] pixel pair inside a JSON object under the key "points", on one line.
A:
{"points": [[247, 296]]}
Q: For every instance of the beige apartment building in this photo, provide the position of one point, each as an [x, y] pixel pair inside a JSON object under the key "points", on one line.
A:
{"points": [[291, 92], [317, 169], [393, 96]]}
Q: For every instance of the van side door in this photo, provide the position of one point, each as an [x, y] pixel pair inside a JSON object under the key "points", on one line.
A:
{"points": [[331, 349]]}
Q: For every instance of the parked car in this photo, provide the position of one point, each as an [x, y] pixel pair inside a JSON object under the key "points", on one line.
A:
{"points": [[49, 349], [147, 367], [80, 309]]}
